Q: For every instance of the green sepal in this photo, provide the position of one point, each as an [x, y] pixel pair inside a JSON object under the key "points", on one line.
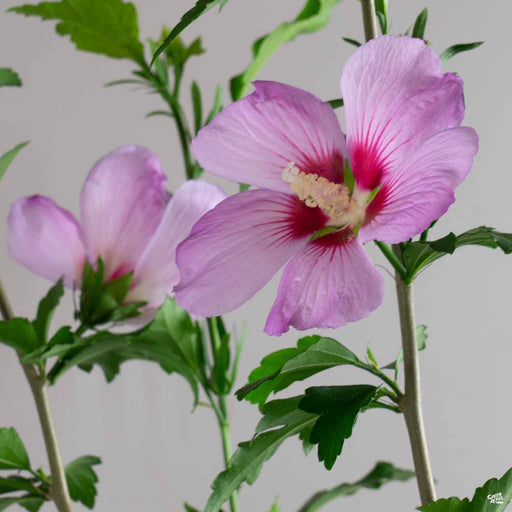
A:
{"points": [[197, 105], [381, 9], [372, 194], [382, 473], [338, 408], [353, 42], [82, 479], [418, 29], [348, 177], [327, 230], [458, 48], [9, 78], [7, 158]]}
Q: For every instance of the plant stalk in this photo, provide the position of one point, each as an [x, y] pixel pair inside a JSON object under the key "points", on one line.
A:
{"points": [[39, 387], [369, 19], [410, 402]]}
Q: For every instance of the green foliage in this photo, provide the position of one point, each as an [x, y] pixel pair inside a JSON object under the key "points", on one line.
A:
{"points": [[177, 53], [417, 255], [458, 48], [9, 78], [200, 7], [197, 106], [7, 158], [13, 454], [45, 311], [280, 369], [418, 29], [336, 103], [217, 105], [382, 473], [30, 503], [282, 420], [314, 16], [493, 496], [275, 507], [353, 42], [19, 334], [381, 9], [338, 407], [81, 479], [190, 508], [108, 27]]}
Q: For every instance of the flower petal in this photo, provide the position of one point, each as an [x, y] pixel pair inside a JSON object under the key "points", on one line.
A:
{"points": [[395, 97], [156, 272], [254, 139], [238, 246], [122, 204], [46, 239], [329, 283], [422, 189]]}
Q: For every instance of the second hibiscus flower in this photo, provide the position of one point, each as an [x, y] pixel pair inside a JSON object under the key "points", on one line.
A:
{"points": [[321, 196]]}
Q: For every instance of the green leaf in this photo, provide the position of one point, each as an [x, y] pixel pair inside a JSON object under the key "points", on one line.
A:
{"points": [[197, 106], [275, 507], [381, 8], [200, 7], [45, 311], [7, 158], [217, 104], [18, 483], [190, 508], [155, 113], [109, 27], [10, 78], [280, 369], [493, 496], [247, 461], [458, 48], [381, 474], [419, 25], [338, 407], [314, 16], [30, 503], [20, 334], [353, 42], [417, 255], [12, 451], [337, 103], [178, 53], [81, 479]]}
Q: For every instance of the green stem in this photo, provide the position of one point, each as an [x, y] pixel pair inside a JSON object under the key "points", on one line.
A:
{"points": [[410, 402], [369, 19], [393, 259], [39, 387], [390, 382]]}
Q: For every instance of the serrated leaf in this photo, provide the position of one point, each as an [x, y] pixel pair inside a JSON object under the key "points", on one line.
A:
{"points": [[458, 48], [81, 479], [20, 334], [493, 496], [45, 311], [419, 25], [382, 473], [248, 459], [109, 27], [338, 407], [9, 78], [314, 16], [30, 503], [200, 7], [13, 454], [7, 158], [280, 369]]}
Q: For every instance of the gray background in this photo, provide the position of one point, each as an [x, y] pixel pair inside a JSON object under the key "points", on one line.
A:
{"points": [[156, 451]]}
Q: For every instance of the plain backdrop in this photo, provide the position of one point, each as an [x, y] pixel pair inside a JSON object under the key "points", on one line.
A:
{"points": [[157, 452]]}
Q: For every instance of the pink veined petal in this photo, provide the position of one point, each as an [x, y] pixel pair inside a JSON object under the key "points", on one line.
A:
{"points": [[46, 239], [253, 140], [328, 284], [156, 272], [122, 204], [235, 249], [395, 95], [422, 189]]}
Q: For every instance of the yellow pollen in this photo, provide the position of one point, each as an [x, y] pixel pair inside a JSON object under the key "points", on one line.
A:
{"points": [[318, 192]]}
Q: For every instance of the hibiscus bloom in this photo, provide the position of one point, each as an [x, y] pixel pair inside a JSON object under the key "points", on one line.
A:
{"points": [[404, 151], [127, 218]]}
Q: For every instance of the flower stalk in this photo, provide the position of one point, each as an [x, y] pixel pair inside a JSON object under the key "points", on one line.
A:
{"points": [[39, 386]]}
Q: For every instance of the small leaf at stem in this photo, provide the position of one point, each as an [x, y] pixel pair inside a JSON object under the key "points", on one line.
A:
{"points": [[353, 42], [458, 48], [419, 25]]}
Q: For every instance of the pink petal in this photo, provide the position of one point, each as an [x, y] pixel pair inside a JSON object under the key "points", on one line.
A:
{"points": [[46, 239], [123, 201], [156, 272], [253, 139], [329, 283], [422, 189], [238, 246], [395, 96]]}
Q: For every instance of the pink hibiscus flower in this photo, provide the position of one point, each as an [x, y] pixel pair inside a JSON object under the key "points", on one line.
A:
{"points": [[407, 153], [127, 218]]}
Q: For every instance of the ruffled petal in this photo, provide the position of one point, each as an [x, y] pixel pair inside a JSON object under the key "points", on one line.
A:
{"points": [[156, 272], [46, 239], [395, 96], [331, 282], [422, 189], [238, 246], [254, 139], [122, 204]]}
